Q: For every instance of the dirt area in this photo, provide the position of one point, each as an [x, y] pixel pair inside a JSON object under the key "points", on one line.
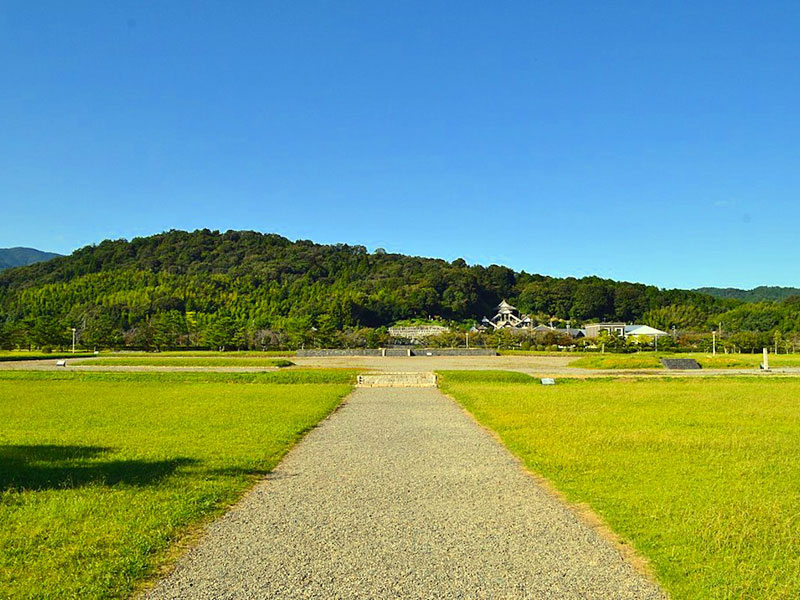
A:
{"points": [[540, 366]]}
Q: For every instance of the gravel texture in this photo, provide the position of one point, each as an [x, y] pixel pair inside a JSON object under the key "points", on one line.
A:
{"points": [[400, 495]]}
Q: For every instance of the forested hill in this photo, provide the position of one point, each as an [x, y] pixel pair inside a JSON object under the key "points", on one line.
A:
{"points": [[19, 257], [760, 294], [247, 282]]}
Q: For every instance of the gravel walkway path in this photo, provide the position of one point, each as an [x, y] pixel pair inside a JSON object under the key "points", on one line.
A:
{"points": [[400, 495]]}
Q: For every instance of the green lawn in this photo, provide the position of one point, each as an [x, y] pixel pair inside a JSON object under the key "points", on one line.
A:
{"points": [[702, 476], [192, 361], [10, 356], [101, 472], [534, 353], [207, 353], [651, 360]]}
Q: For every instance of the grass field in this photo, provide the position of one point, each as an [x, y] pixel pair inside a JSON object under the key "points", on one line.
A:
{"points": [[651, 360], [192, 361], [101, 472], [534, 353], [10, 356], [701, 476], [208, 353]]}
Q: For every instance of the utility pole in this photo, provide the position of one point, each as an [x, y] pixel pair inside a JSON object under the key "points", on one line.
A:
{"points": [[468, 340], [714, 343], [74, 331]]}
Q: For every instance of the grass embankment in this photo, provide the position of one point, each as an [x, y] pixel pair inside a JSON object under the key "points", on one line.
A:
{"points": [[17, 356], [101, 472], [207, 353], [651, 360], [701, 476], [534, 353], [182, 361]]}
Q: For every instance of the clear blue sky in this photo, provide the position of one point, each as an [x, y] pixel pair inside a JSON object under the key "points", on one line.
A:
{"points": [[646, 141]]}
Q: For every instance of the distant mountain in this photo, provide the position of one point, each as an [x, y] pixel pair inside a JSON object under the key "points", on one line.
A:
{"points": [[21, 257], [759, 294]]}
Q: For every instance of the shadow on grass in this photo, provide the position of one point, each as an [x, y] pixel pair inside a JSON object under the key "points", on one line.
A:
{"points": [[53, 467]]}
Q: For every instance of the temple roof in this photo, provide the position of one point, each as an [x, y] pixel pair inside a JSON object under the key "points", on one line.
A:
{"points": [[505, 307]]}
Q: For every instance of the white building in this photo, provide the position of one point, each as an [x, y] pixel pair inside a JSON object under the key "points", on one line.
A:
{"points": [[622, 330], [507, 317]]}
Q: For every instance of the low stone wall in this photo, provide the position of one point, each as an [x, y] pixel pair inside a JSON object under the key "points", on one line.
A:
{"points": [[347, 352], [455, 352], [398, 351], [341, 352]]}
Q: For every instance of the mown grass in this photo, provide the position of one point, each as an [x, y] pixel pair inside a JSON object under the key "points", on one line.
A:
{"points": [[11, 356], [651, 360], [701, 476], [208, 353], [533, 353], [183, 361], [101, 472]]}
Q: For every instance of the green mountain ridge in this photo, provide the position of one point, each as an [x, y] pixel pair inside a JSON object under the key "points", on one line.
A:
{"points": [[251, 289], [21, 257], [763, 293]]}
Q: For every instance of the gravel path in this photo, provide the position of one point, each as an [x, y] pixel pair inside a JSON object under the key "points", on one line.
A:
{"points": [[400, 495]]}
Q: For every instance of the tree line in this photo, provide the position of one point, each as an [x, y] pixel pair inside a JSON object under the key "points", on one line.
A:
{"points": [[244, 289]]}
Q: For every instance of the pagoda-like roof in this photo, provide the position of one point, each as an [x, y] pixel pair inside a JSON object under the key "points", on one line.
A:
{"points": [[505, 307]]}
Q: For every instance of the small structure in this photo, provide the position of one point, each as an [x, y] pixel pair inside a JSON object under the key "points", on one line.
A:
{"points": [[593, 330], [644, 330], [61, 363]]}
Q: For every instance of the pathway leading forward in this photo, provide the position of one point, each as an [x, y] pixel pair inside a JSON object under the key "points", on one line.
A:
{"points": [[399, 494]]}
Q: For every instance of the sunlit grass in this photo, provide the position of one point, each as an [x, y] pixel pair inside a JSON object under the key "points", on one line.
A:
{"points": [[16, 355], [701, 476], [101, 472], [534, 353], [193, 361], [651, 360], [207, 353]]}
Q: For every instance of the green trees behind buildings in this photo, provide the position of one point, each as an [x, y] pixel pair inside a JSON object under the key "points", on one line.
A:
{"points": [[250, 290]]}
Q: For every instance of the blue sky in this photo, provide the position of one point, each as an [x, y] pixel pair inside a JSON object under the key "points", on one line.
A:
{"points": [[646, 141]]}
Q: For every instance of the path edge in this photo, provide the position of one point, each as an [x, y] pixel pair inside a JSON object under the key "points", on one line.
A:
{"points": [[581, 510], [196, 532]]}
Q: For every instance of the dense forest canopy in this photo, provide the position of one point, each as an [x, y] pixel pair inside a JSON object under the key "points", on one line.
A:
{"points": [[248, 289]]}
